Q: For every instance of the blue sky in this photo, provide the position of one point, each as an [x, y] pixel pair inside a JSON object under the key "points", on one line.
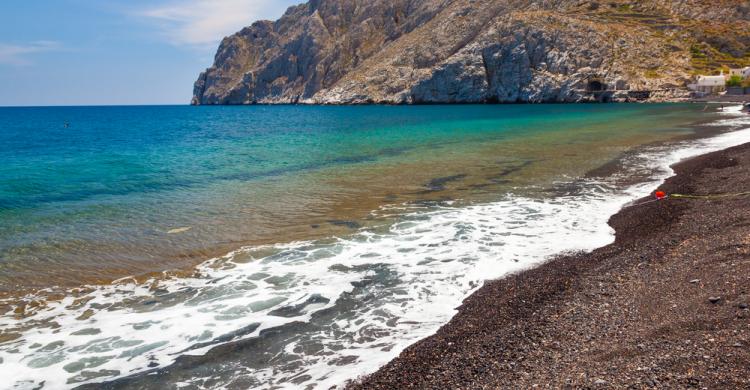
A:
{"points": [[90, 52]]}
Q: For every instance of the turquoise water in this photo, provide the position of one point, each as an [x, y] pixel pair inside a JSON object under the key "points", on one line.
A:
{"points": [[88, 194], [304, 245]]}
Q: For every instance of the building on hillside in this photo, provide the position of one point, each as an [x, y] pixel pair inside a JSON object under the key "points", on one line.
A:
{"points": [[709, 84], [741, 72]]}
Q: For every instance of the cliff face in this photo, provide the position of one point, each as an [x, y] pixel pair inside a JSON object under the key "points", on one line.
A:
{"points": [[430, 51]]}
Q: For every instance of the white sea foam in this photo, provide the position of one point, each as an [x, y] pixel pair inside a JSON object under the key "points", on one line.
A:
{"points": [[401, 283]]}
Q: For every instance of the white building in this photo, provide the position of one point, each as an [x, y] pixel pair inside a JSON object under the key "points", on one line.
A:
{"points": [[709, 84], [742, 72]]}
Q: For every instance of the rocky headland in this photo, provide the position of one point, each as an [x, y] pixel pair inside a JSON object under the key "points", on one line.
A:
{"points": [[477, 51]]}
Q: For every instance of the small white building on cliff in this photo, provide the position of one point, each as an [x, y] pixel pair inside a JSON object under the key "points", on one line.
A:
{"points": [[742, 72], [709, 84]]}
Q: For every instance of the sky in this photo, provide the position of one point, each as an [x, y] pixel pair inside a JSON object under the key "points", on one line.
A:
{"points": [[115, 52]]}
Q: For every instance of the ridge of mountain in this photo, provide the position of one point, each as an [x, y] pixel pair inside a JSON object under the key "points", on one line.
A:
{"points": [[473, 51]]}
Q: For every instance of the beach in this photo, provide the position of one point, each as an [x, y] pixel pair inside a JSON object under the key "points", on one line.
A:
{"points": [[665, 306], [374, 194], [343, 250]]}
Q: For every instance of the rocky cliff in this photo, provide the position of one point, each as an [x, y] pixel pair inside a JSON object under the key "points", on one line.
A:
{"points": [[465, 51]]}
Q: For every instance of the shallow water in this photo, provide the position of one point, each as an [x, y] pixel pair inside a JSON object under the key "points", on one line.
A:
{"points": [[353, 231], [96, 200]]}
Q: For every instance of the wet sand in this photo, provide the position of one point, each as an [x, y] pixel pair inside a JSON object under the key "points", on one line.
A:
{"points": [[665, 306]]}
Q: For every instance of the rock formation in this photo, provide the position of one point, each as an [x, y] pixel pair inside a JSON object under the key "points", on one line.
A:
{"points": [[470, 51]]}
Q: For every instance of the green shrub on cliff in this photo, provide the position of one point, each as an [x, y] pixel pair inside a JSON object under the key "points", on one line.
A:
{"points": [[734, 81]]}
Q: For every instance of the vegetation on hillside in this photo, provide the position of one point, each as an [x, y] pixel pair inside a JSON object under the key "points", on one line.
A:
{"points": [[734, 81]]}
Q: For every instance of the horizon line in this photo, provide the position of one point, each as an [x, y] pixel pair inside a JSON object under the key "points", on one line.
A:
{"points": [[96, 105]]}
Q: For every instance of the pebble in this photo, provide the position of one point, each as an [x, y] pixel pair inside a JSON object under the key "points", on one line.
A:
{"points": [[662, 367]]}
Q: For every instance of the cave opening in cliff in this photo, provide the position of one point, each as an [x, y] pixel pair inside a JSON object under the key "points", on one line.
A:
{"points": [[596, 86]]}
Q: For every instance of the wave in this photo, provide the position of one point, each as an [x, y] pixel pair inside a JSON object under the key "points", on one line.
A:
{"points": [[320, 312]]}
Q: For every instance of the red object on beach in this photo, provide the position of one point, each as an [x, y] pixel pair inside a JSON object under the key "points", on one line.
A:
{"points": [[660, 195]]}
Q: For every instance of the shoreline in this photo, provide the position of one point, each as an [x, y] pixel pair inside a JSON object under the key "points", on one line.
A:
{"points": [[712, 99], [185, 365], [723, 99], [641, 312]]}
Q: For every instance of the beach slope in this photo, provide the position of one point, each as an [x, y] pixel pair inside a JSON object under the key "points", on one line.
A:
{"points": [[665, 306]]}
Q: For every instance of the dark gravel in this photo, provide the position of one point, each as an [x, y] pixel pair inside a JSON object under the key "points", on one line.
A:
{"points": [[640, 313]]}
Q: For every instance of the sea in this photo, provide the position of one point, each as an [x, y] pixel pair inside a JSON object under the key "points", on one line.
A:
{"points": [[177, 247]]}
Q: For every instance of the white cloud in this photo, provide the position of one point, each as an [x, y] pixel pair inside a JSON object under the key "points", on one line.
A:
{"points": [[205, 22], [18, 55]]}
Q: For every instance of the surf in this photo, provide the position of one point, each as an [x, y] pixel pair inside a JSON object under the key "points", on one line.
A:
{"points": [[320, 312]]}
